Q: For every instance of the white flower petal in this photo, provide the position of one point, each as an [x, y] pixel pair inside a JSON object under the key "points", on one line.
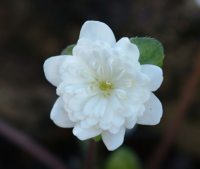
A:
{"points": [[51, 69], [76, 102], [113, 141], [60, 116], [90, 106], [155, 74], [104, 125], [97, 31], [85, 133], [118, 121], [114, 129], [106, 119], [128, 49], [100, 107], [88, 123], [153, 112], [75, 71], [130, 123]]}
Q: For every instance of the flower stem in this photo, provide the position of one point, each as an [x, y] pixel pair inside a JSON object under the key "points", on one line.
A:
{"points": [[91, 155]]}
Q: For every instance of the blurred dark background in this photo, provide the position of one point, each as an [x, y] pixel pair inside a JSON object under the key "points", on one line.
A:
{"points": [[33, 30]]}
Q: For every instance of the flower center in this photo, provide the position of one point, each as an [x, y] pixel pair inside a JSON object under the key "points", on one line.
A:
{"points": [[106, 87]]}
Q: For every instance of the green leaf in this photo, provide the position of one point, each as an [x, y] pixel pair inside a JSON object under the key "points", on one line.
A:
{"points": [[151, 50], [68, 50], [97, 138], [123, 158]]}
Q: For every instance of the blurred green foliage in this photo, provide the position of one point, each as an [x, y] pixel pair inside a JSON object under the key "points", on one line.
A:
{"points": [[123, 158]]}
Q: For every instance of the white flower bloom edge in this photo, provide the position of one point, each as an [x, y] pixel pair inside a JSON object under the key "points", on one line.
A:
{"points": [[102, 88]]}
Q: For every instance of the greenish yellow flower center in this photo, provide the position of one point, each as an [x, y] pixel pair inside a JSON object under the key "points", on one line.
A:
{"points": [[105, 86]]}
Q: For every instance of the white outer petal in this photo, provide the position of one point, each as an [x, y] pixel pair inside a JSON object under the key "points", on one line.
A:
{"points": [[153, 112], [155, 74], [130, 123], [85, 133], [51, 69], [113, 141], [60, 116], [97, 31], [129, 49]]}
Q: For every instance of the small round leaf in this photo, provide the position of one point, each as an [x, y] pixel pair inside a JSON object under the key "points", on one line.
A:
{"points": [[68, 50], [151, 50]]}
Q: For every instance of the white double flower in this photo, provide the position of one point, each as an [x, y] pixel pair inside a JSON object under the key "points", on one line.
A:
{"points": [[102, 88]]}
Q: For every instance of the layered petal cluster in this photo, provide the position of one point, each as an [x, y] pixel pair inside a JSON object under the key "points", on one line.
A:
{"points": [[102, 87]]}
